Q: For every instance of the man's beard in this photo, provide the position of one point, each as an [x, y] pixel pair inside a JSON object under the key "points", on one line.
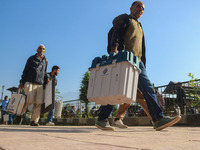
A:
{"points": [[40, 53]]}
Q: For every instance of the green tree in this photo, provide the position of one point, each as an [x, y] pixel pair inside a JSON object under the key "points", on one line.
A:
{"points": [[58, 96], [195, 92], [83, 91]]}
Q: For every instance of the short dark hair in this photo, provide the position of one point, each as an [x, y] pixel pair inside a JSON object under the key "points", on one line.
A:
{"points": [[55, 68], [136, 2], [5, 97]]}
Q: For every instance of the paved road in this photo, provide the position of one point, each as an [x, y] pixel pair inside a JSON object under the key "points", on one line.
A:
{"points": [[90, 138]]}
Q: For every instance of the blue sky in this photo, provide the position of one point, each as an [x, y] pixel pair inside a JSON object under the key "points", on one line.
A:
{"points": [[75, 32]]}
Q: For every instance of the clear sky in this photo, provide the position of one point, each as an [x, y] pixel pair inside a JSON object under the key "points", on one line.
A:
{"points": [[75, 31]]}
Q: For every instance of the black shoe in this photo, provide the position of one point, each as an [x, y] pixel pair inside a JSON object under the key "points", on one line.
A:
{"points": [[34, 124]]}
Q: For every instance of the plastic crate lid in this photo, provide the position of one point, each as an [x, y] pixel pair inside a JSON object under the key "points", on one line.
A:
{"points": [[120, 57]]}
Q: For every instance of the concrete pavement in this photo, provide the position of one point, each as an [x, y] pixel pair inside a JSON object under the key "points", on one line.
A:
{"points": [[24, 137]]}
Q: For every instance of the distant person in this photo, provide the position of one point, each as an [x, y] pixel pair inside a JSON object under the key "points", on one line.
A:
{"points": [[181, 98], [160, 100], [32, 80], [133, 40], [196, 110], [73, 111], [52, 76], [94, 111], [4, 105]]}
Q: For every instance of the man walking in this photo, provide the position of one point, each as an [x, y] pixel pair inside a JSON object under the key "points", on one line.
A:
{"points": [[51, 76], [133, 40], [32, 80]]}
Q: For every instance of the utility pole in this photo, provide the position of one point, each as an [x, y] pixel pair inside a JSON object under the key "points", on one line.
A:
{"points": [[80, 109], [2, 92]]}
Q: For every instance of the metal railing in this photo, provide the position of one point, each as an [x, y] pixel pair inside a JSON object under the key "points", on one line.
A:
{"points": [[171, 95], [181, 95]]}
